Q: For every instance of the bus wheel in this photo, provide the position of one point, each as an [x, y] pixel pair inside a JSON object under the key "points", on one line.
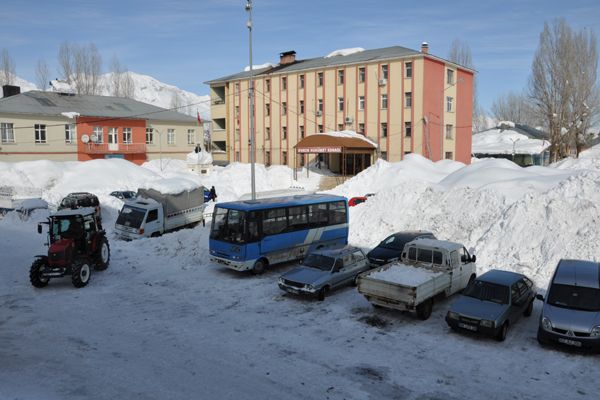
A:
{"points": [[259, 267]]}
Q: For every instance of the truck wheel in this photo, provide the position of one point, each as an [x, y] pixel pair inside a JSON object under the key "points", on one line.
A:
{"points": [[81, 273], [322, 293], [259, 267], [501, 335], [355, 280], [424, 309], [35, 273], [103, 255]]}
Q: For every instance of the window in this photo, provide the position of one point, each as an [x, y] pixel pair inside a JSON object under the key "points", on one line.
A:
{"points": [[361, 74], [408, 129], [384, 155], [284, 108], [317, 215], [170, 136], [361, 102], [449, 132], [267, 133], [301, 131], [301, 81], [297, 218], [98, 134], [408, 99], [267, 158], [237, 112], [320, 105], [425, 255], [40, 133], [70, 133], [449, 104], [384, 72], [320, 79], [337, 213], [384, 101], [127, 135], [284, 157], [267, 85], [301, 106], [274, 221], [340, 104], [450, 77], [149, 136], [340, 127], [152, 216], [267, 109], [449, 155], [320, 128], [7, 131], [237, 88], [361, 128], [113, 135], [384, 129], [340, 77], [191, 136], [408, 70], [284, 133], [237, 156], [284, 83], [237, 134]]}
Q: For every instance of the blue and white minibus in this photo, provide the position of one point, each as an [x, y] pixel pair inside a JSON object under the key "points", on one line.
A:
{"points": [[253, 234]]}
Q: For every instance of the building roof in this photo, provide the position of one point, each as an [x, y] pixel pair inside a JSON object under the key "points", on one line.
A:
{"points": [[346, 139], [509, 138], [55, 104], [365, 56]]}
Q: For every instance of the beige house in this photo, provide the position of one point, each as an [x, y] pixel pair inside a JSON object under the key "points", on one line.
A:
{"points": [[404, 100]]}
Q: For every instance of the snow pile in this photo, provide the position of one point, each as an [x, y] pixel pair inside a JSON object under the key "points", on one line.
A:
{"points": [[202, 157], [506, 141], [406, 275], [171, 185], [71, 114], [259, 66], [588, 159], [344, 52], [349, 134]]}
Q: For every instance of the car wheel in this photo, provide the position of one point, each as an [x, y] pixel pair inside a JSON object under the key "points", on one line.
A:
{"points": [[529, 309], [259, 267], [424, 309], [501, 335], [323, 293], [35, 273], [81, 273]]}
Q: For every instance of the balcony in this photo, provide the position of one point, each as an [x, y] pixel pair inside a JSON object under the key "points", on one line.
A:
{"points": [[109, 148]]}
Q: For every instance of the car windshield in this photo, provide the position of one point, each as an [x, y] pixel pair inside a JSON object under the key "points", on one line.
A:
{"points": [[131, 216], [324, 263], [394, 242], [575, 297], [129, 195], [487, 291]]}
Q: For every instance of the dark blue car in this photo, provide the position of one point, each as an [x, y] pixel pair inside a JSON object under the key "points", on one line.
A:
{"points": [[390, 249]]}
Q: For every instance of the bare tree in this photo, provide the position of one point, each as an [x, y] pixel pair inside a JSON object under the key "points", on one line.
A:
{"points": [[516, 108], [460, 53], [65, 61], [176, 102], [81, 67], [7, 69], [563, 85], [42, 74], [121, 81]]}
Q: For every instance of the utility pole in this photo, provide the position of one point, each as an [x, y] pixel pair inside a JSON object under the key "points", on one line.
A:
{"points": [[251, 96]]}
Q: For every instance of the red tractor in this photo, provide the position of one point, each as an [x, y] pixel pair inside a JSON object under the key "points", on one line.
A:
{"points": [[77, 243]]}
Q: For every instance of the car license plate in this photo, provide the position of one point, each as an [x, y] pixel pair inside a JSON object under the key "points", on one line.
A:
{"points": [[292, 290], [467, 326], [570, 342]]}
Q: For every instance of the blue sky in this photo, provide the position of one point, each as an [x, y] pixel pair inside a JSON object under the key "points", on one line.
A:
{"points": [[185, 43]]}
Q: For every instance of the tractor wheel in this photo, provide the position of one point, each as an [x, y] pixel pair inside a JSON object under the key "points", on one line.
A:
{"points": [[81, 273], [102, 255], [35, 273], [424, 309]]}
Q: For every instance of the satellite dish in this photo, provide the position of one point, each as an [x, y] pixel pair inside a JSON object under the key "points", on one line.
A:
{"points": [[85, 138], [94, 138]]}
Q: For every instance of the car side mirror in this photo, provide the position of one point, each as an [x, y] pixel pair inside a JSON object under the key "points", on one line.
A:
{"points": [[473, 258], [39, 228], [539, 297]]}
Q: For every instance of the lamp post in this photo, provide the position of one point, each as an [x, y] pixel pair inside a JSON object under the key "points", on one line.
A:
{"points": [[251, 96]]}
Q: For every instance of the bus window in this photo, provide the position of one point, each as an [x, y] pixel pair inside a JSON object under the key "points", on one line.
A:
{"points": [[337, 213], [274, 221], [317, 215], [297, 218], [252, 230], [235, 225]]}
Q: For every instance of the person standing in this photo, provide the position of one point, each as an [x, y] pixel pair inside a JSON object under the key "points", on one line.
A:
{"points": [[213, 194]]}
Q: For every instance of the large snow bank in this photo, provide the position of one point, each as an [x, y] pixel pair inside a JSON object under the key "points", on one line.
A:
{"points": [[202, 157]]}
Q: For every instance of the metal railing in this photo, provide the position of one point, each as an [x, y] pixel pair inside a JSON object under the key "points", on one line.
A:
{"points": [[107, 148]]}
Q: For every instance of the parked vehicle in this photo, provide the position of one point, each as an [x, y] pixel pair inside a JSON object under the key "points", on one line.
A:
{"points": [[354, 201], [492, 303], [81, 199], [324, 270], [153, 213], [253, 234], [124, 194], [76, 244], [390, 249], [571, 312], [23, 200], [427, 268]]}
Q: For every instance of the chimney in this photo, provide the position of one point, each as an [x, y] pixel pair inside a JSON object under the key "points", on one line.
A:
{"points": [[287, 57], [10, 90], [425, 48]]}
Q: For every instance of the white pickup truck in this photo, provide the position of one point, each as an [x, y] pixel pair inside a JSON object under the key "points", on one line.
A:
{"points": [[427, 268]]}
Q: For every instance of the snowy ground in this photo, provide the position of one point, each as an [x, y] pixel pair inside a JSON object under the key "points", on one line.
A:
{"points": [[163, 322]]}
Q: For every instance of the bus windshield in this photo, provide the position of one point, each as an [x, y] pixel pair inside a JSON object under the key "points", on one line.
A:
{"points": [[234, 226]]}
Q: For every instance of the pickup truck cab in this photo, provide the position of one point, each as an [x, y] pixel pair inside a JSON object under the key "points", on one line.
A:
{"points": [[427, 268]]}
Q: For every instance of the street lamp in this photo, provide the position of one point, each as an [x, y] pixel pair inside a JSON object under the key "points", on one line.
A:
{"points": [[251, 96]]}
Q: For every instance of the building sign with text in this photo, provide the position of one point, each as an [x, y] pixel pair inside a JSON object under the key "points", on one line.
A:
{"points": [[332, 149]]}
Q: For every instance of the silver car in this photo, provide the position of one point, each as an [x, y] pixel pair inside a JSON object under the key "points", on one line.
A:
{"points": [[324, 270], [571, 311]]}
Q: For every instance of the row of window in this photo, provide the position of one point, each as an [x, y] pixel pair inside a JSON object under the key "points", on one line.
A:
{"points": [[7, 134]]}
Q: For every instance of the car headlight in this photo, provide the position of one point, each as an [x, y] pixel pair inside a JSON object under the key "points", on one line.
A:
{"points": [[452, 315], [595, 331], [280, 280], [546, 324], [487, 323]]}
